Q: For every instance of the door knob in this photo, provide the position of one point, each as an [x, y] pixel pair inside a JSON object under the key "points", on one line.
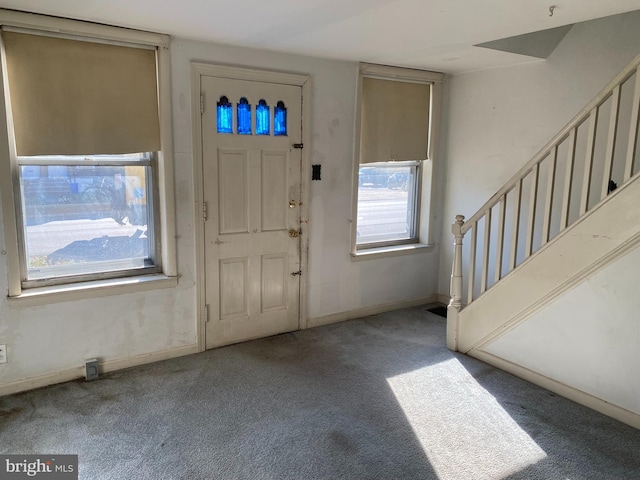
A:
{"points": [[293, 233]]}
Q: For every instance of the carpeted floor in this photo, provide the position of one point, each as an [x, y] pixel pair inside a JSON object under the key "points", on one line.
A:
{"points": [[376, 398]]}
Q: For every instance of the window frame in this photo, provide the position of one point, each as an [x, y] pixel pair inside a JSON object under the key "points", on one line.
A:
{"points": [[150, 162], [414, 202], [162, 170], [425, 170]]}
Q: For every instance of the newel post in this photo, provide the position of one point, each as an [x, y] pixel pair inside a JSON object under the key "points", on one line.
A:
{"points": [[455, 304]]}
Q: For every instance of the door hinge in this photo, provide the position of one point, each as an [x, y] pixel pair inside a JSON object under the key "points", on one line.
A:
{"points": [[201, 103], [206, 313], [205, 211], [298, 145]]}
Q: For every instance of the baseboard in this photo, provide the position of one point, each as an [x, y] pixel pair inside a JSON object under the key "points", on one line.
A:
{"points": [[368, 311], [105, 367], [578, 396], [443, 299]]}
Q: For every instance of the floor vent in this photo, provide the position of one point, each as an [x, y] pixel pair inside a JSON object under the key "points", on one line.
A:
{"points": [[440, 310]]}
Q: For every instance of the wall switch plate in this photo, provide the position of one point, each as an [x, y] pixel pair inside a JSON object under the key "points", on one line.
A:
{"points": [[91, 369], [3, 354]]}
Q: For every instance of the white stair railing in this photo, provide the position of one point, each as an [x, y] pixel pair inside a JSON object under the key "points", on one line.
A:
{"points": [[573, 173]]}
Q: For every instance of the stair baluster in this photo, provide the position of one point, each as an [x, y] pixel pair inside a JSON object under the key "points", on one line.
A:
{"points": [[558, 192]]}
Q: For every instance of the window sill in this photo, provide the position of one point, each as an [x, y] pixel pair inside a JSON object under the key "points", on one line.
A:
{"points": [[100, 288], [390, 251]]}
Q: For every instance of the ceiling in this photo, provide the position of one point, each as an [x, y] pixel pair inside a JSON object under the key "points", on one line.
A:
{"points": [[430, 34]]}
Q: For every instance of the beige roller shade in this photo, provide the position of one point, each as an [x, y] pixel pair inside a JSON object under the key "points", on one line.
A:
{"points": [[71, 97], [394, 120]]}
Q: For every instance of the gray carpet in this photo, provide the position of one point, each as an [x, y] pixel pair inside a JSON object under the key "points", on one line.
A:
{"points": [[376, 398]]}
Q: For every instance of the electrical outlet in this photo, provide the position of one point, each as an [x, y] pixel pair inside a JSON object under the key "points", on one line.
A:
{"points": [[3, 354]]}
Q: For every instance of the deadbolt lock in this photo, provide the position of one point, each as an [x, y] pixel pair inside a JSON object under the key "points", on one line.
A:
{"points": [[294, 233]]}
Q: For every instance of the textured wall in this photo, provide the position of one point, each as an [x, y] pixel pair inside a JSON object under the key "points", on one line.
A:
{"points": [[589, 338], [499, 118], [61, 336], [336, 284]]}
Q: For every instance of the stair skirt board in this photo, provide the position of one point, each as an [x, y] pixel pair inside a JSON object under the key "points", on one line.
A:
{"points": [[578, 279], [609, 409]]}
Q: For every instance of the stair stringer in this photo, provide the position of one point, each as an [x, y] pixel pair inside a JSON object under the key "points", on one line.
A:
{"points": [[609, 230]]}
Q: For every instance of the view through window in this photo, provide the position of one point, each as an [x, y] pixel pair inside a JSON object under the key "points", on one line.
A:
{"points": [[387, 202], [86, 215]]}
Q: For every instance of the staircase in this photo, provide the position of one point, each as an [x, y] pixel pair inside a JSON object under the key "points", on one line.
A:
{"points": [[567, 213]]}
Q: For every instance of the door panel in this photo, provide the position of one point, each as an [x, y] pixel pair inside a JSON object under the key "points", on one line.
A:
{"points": [[234, 287], [274, 191], [251, 186], [274, 282], [233, 192]]}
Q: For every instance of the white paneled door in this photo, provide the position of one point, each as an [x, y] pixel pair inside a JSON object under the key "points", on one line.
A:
{"points": [[251, 183]]}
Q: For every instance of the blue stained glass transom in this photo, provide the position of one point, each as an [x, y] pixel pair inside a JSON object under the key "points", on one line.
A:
{"points": [[244, 117], [280, 119], [225, 116], [262, 119]]}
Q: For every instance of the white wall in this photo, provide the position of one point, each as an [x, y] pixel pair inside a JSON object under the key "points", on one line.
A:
{"points": [[336, 284], [589, 338], [60, 336], [500, 118]]}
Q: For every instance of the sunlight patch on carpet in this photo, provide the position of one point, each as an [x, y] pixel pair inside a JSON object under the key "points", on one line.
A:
{"points": [[477, 438]]}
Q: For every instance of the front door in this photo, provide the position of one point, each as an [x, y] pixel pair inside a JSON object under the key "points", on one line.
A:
{"points": [[252, 189]]}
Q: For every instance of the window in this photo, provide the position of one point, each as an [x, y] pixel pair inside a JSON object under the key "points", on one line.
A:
{"points": [[262, 118], [225, 116], [394, 155], [387, 201], [280, 119], [86, 153], [83, 216], [244, 117]]}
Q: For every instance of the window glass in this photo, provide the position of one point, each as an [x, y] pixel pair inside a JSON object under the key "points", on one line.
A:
{"points": [[86, 219], [280, 119], [262, 118], [386, 203], [225, 116], [244, 117]]}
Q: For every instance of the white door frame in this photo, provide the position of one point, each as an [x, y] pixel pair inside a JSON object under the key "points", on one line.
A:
{"points": [[198, 70]]}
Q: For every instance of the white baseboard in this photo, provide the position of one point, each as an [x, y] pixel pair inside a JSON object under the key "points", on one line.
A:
{"points": [[578, 396], [368, 311], [443, 299], [105, 367]]}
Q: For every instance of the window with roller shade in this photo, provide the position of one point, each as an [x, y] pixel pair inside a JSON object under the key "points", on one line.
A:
{"points": [[86, 132], [395, 126]]}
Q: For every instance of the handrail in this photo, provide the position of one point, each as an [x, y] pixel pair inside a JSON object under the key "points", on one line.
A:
{"points": [[562, 135], [522, 241]]}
